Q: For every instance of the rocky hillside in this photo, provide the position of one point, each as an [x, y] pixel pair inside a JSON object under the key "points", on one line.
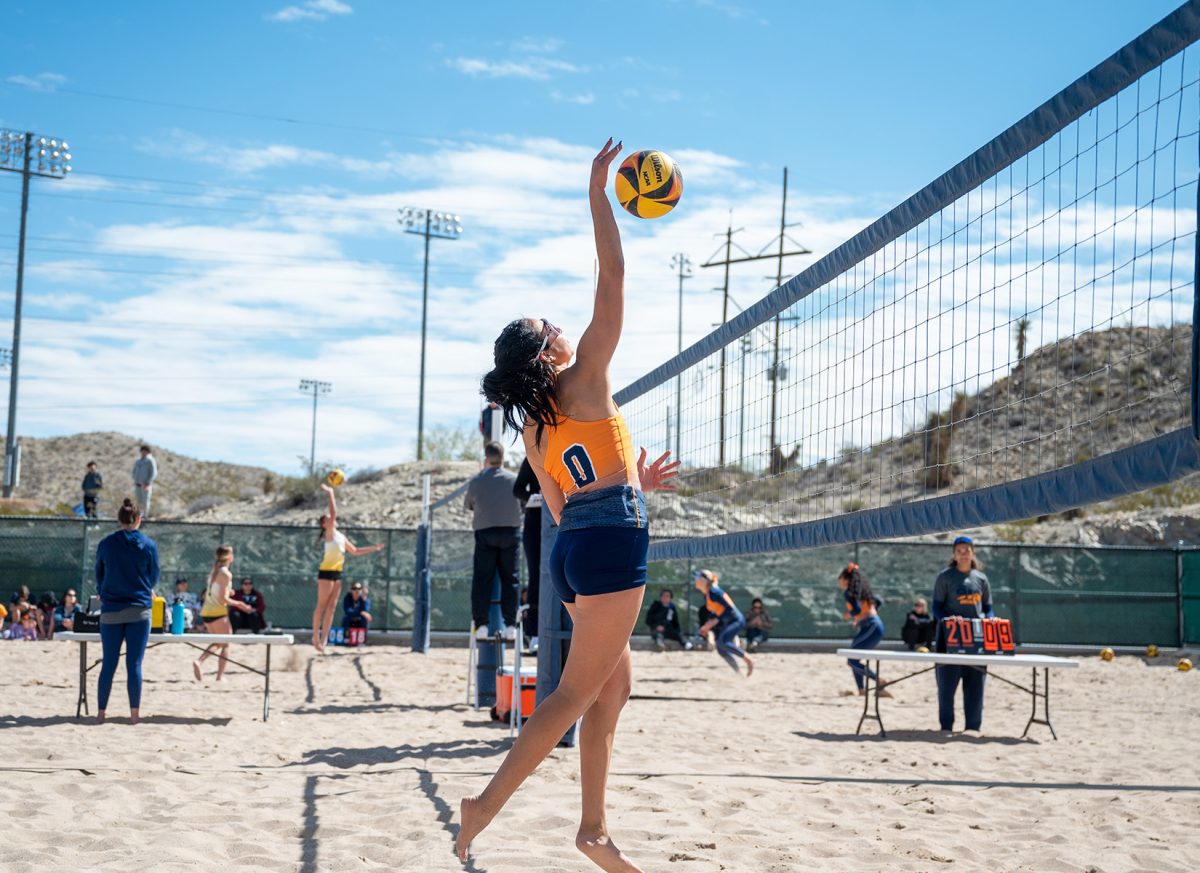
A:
{"points": [[52, 470]]}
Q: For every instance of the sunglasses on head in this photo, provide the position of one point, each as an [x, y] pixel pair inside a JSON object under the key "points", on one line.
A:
{"points": [[356, 588], [549, 334]]}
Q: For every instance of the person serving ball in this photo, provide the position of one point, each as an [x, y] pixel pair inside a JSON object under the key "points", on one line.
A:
{"points": [[560, 399], [336, 545]]}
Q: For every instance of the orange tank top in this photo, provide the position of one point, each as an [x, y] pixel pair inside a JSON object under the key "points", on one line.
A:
{"points": [[579, 453]]}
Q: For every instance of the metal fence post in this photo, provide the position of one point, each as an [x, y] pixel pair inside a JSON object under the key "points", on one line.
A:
{"points": [[421, 581], [387, 583], [1179, 592], [1016, 595]]}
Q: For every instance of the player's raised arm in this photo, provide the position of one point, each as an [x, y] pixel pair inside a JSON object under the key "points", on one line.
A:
{"points": [[599, 342]]}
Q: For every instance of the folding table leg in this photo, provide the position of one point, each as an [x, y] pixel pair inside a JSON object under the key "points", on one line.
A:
{"points": [[267, 686], [81, 702]]}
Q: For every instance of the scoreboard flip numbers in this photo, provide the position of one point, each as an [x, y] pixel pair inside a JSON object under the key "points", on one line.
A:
{"points": [[973, 636]]}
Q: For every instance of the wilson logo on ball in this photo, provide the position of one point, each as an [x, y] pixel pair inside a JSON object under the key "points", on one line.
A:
{"points": [[648, 184]]}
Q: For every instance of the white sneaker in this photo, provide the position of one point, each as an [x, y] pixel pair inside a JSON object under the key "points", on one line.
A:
{"points": [[533, 645], [481, 632], [510, 633]]}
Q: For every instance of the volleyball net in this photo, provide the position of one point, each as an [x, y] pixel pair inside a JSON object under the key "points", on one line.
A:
{"points": [[1015, 339]]}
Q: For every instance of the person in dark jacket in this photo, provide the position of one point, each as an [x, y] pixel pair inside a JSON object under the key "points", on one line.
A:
{"points": [[252, 621], [126, 575], [356, 607], [961, 590], [528, 490], [93, 483], [919, 627], [663, 621]]}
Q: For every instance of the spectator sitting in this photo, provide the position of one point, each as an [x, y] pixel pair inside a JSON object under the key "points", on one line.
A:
{"points": [[26, 629], [191, 603], [47, 606], [919, 627], [21, 607], [357, 608], [248, 621], [663, 620], [758, 623], [64, 615]]}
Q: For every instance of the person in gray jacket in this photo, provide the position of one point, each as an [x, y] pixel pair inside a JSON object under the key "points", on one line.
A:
{"points": [[497, 524], [144, 472]]}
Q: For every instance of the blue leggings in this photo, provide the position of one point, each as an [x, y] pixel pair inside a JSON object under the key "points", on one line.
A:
{"points": [[135, 635], [727, 646], [867, 636]]}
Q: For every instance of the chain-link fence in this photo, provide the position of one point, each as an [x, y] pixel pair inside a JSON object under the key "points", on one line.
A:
{"points": [[1054, 594]]}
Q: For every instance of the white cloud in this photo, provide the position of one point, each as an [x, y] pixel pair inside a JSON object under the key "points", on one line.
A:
{"points": [[313, 10], [536, 68], [182, 144], [40, 82], [578, 99]]}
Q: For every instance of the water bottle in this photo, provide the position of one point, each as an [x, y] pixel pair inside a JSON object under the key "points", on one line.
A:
{"points": [[177, 618]]}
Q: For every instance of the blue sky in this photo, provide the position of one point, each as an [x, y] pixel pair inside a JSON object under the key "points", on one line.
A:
{"points": [[230, 225]]}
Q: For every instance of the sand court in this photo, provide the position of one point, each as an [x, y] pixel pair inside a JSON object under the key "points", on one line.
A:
{"points": [[367, 753]]}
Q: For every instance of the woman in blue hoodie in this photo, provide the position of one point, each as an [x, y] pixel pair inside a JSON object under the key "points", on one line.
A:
{"points": [[126, 574]]}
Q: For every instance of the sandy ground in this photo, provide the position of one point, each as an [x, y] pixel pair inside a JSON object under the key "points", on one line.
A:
{"points": [[367, 754]]}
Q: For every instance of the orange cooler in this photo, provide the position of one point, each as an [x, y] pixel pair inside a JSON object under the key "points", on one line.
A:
{"points": [[504, 689]]}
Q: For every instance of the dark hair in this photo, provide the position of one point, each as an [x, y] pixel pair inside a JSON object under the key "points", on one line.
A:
{"points": [[493, 451], [975, 563], [144, 449], [666, 591], [91, 463], [757, 600], [321, 529], [128, 513], [244, 580], [522, 382], [857, 585]]}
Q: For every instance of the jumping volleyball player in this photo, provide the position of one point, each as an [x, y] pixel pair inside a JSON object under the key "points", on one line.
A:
{"points": [[581, 453], [329, 575]]}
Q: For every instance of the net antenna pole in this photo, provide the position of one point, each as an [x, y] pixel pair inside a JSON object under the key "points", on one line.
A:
{"points": [[680, 261]]}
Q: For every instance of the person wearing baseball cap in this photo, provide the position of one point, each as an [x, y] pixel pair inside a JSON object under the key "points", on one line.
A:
{"points": [[963, 590]]}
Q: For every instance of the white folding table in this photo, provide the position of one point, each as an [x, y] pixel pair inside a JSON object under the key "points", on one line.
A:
{"points": [[196, 641], [1045, 663]]}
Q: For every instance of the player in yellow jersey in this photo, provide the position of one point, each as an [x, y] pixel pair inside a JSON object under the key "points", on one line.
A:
{"points": [[593, 485], [335, 546]]}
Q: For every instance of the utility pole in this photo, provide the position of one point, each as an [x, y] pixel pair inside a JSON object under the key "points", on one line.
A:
{"points": [[762, 255], [680, 261], [775, 374], [51, 159], [315, 388], [426, 223]]}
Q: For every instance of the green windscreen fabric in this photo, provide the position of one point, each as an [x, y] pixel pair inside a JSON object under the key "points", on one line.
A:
{"points": [[1053, 594]]}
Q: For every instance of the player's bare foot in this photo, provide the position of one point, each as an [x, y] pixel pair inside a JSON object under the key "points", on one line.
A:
{"points": [[196, 671], [472, 819], [601, 851], [100, 717], [134, 716], [749, 667]]}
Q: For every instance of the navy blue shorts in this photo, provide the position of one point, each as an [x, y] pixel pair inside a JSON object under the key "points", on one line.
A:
{"points": [[598, 560]]}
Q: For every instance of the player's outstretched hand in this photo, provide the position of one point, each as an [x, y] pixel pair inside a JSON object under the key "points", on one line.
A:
{"points": [[601, 164], [328, 489], [655, 477]]}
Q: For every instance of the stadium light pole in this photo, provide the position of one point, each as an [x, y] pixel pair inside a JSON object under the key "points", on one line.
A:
{"points": [[680, 261], [316, 389], [30, 155], [427, 223]]}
